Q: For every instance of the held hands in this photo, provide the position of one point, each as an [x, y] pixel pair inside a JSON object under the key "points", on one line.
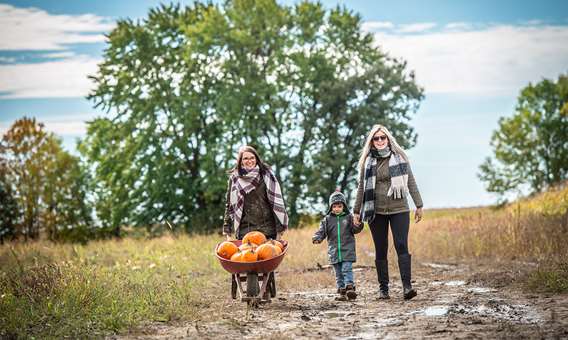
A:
{"points": [[418, 215], [356, 220]]}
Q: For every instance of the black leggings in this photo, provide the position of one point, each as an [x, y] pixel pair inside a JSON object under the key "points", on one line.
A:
{"points": [[399, 224]]}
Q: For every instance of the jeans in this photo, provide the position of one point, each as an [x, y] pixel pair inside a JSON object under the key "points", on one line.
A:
{"points": [[343, 273]]}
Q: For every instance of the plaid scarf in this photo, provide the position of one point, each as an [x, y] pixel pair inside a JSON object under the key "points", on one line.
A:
{"points": [[398, 171], [244, 184]]}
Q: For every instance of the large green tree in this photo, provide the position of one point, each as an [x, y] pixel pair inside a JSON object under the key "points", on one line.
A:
{"points": [[185, 88], [531, 147]]}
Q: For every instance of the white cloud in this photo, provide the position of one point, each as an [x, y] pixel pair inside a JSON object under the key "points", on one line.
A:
{"points": [[35, 29], [66, 127], [69, 125], [417, 27], [58, 55], [60, 78], [458, 26], [26, 29], [495, 60], [371, 26]]}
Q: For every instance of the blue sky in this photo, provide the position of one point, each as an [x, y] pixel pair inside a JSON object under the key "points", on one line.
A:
{"points": [[472, 58]]}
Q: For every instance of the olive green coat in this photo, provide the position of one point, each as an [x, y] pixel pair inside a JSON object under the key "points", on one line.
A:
{"points": [[386, 205]]}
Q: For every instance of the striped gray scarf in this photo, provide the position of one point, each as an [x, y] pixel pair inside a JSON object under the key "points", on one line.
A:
{"points": [[244, 184], [398, 171]]}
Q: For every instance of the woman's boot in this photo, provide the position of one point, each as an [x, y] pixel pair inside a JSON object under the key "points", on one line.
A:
{"points": [[405, 269], [383, 276]]}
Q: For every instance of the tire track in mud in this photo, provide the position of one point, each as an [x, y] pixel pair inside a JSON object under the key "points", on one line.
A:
{"points": [[448, 305]]}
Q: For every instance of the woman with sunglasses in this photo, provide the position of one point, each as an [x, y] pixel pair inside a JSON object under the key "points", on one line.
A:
{"points": [[385, 179], [254, 198]]}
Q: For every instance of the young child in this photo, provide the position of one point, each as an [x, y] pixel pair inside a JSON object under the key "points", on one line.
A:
{"points": [[338, 227]]}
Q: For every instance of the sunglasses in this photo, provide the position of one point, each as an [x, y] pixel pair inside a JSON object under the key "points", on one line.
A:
{"points": [[378, 138]]}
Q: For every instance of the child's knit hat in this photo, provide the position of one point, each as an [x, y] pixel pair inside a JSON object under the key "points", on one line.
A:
{"points": [[337, 197]]}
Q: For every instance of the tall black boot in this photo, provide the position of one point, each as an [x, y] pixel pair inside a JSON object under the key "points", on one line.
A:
{"points": [[383, 276], [405, 269]]}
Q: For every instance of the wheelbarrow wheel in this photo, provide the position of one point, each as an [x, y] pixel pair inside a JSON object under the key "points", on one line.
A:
{"points": [[252, 284], [233, 287], [272, 284]]}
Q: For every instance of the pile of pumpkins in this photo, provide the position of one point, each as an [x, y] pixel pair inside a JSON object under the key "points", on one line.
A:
{"points": [[255, 247]]}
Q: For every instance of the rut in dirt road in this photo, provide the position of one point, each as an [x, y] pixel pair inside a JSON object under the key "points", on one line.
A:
{"points": [[448, 305]]}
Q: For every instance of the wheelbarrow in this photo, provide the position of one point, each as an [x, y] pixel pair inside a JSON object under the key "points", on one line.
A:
{"points": [[253, 273]]}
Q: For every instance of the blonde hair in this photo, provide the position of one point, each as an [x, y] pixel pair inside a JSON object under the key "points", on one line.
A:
{"points": [[395, 147]]}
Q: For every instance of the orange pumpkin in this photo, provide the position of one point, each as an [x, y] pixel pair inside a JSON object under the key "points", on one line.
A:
{"points": [[266, 251], [278, 251], [236, 257], [247, 245], [255, 237], [249, 255], [227, 249], [277, 244]]}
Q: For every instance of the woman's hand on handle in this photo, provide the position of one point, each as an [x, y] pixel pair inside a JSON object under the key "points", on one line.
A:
{"points": [[356, 220], [228, 237], [418, 215]]}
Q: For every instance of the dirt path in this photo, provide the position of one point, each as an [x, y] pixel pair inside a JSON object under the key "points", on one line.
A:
{"points": [[451, 303]]}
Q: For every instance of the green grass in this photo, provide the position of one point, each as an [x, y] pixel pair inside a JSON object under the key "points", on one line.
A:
{"points": [[550, 278], [51, 290]]}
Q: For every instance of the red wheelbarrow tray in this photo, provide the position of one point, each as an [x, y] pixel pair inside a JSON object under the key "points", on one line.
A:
{"points": [[264, 266]]}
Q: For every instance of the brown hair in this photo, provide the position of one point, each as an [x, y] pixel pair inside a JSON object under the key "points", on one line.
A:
{"points": [[247, 148]]}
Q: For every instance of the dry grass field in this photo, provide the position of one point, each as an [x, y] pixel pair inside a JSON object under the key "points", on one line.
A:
{"points": [[131, 285]]}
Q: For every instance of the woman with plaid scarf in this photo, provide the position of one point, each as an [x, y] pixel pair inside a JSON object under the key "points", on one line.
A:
{"points": [[385, 180], [254, 198]]}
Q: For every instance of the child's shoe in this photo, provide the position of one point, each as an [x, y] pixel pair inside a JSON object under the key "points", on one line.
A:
{"points": [[350, 292], [341, 294]]}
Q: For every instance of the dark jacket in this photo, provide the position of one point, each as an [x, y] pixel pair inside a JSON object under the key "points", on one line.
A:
{"points": [[386, 205], [340, 233], [257, 214]]}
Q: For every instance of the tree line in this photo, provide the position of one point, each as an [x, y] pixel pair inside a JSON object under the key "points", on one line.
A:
{"points": [[182, 89]]}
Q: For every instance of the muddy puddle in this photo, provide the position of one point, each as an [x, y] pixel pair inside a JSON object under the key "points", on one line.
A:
{"points": [[449, 283], [499, 311]]}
